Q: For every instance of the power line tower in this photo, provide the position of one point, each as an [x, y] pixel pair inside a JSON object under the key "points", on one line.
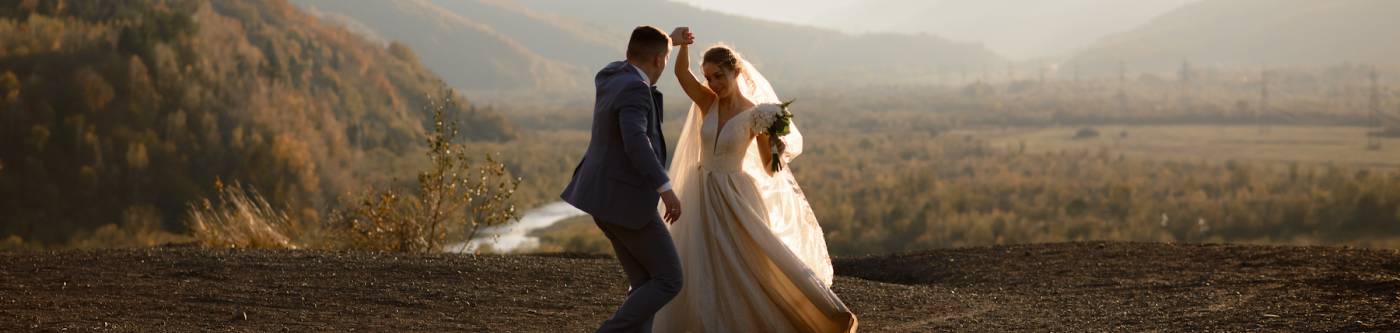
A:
{"points": [[1010, 72], [1263, 100], [1042, 74], [1373, 140], [986, 74], [1076, 72], [1122, 86], [1185, 75]]}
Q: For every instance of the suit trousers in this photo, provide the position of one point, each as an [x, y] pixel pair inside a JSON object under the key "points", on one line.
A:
{"points": [[648, 257]]}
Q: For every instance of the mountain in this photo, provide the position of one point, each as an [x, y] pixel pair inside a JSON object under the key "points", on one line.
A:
{"points": [[470, 54], [786, 51], [1016, 28], [581, 36], [1253, 33], [789, 11], [114, 111], [571, 41]]}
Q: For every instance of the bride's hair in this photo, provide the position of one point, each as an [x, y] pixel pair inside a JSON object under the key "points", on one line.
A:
{"points": [[724, 57]]}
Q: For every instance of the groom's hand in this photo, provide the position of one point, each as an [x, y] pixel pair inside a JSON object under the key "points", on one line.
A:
{"points": [[682, 36], [673, 206]]}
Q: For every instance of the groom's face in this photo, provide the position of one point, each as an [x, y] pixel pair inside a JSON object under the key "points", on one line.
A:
{"points": [[658, 66]]}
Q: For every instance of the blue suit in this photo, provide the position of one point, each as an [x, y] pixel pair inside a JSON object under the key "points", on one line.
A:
{"points": [[617, 183], [617, 180]]}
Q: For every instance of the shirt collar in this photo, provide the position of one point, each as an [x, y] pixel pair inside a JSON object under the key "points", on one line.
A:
{"points": [[641, 73]]}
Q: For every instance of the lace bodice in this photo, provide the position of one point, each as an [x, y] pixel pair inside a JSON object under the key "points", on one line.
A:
{"points": [[723, 149]]}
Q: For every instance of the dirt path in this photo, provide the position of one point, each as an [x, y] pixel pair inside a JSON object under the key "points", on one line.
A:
{"points": [[1052, 287]]}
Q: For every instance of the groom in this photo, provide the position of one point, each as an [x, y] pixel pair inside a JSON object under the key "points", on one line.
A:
{"points": [[622, 175]]}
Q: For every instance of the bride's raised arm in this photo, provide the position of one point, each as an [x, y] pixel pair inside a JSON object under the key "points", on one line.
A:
{"points": [[699, 93]]}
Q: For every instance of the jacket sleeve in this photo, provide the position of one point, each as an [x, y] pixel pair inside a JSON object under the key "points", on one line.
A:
{"points": [[634, 107]]}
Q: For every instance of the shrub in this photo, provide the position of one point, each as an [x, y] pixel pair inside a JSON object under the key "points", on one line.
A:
{"points": [[13, 242], [139, 227], [1388, 132], [456, 197], [1086, 133]]}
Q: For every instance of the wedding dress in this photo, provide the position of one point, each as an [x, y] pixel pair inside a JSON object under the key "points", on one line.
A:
{"points": [[752, 254]]}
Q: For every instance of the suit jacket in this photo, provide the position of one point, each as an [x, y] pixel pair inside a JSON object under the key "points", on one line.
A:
{"points": [[618, 178]]}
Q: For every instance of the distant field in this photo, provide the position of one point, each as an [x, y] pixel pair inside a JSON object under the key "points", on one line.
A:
{"points": [[1303, 144]]}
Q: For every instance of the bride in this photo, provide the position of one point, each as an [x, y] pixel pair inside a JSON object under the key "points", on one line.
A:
{"points": [[751, 251]]}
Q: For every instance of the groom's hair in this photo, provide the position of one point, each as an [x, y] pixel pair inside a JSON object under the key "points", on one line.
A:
{"points": [[647, 42]]}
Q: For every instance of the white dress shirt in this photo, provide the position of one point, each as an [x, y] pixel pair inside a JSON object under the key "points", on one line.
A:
{"points": [[667, 186]]}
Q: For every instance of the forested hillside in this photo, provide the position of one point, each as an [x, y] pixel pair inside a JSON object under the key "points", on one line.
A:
{"points": [[126, 111]]}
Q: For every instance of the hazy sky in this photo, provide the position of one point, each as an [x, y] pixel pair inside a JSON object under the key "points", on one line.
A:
{"points": [[792, 11], [1019, 29]]}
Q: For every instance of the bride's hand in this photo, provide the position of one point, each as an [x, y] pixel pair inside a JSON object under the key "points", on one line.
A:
{"points": [[673, 206], [682, 36]]}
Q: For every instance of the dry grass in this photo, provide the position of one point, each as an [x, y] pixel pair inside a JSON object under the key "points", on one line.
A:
{"points": [[241, 218]]}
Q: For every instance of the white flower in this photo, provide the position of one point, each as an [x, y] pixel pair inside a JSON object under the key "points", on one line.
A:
{"points": [[764, 115]]}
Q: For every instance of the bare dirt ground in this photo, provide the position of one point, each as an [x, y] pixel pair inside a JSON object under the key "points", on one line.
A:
{"points": [[1073, 287]]}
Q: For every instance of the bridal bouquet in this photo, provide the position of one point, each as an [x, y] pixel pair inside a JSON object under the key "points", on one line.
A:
{"points": [[775, 120]]}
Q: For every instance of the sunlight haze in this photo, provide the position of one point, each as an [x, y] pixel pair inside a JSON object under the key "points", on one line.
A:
{"points": [[801, 165], [1018, 29]]}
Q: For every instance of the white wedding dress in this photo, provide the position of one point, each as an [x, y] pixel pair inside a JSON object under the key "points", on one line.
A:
{"points": [[752, 254]]}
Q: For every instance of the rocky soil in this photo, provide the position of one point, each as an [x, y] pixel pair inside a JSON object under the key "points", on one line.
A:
{"points": [[1071, 287]]}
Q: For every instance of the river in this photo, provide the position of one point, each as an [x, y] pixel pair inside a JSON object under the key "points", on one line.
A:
{"points": [[515, 236]]}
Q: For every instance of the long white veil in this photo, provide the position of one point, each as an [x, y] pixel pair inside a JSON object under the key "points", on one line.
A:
{"points": [[790, 216]]}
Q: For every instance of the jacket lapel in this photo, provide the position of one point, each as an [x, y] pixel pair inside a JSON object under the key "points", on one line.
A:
{"points": [[656, 97], [659, 116]]}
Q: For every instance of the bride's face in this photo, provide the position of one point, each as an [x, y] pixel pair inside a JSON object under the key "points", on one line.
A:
{"points": [[721, 81]]}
